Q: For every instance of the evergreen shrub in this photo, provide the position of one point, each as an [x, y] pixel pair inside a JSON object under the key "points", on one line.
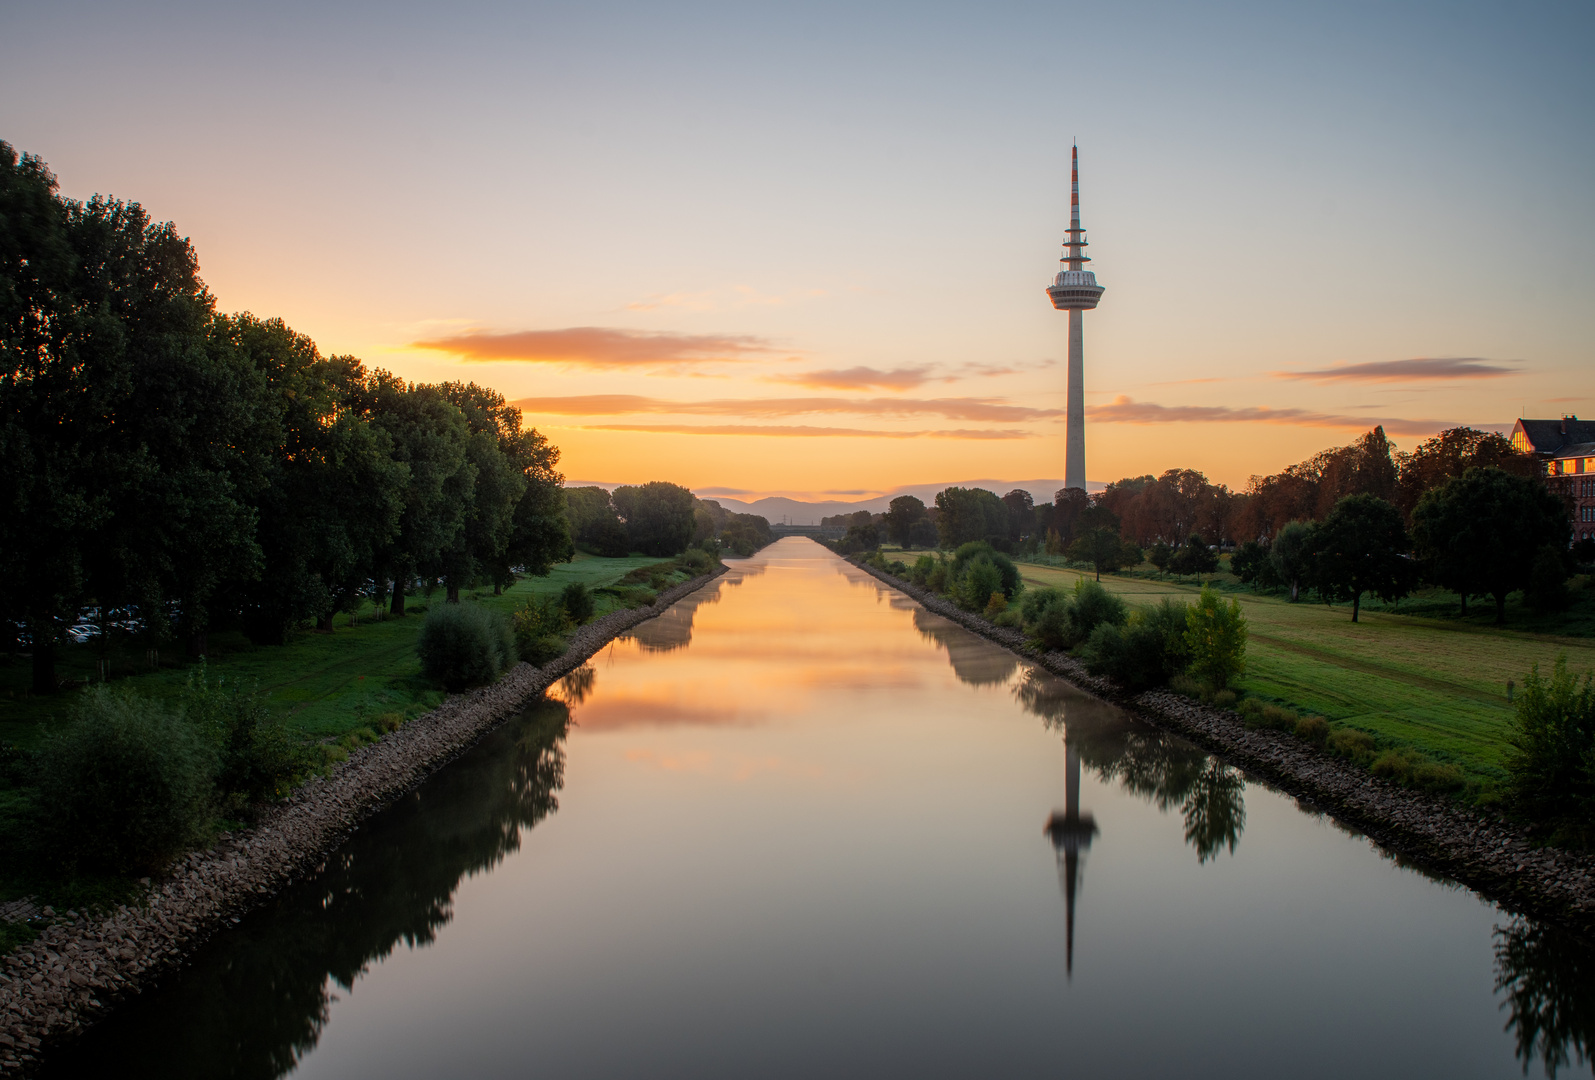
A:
{"points": [[125, 784], [463, 645], [577, 600]]}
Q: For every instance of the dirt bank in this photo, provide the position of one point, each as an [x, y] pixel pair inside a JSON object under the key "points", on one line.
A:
{"points": [[1481, 850], [80, 967]]}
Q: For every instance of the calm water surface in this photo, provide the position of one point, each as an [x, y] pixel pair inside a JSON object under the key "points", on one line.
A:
{"points": [[797, 826]]}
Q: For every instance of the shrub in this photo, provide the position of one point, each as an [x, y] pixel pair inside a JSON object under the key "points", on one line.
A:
{"points": [[937, 581], [1092, 606], [1186, 686], [257, 756], [1551, 767], [1009, 619], [1411, 769], [996, 604], [695, 561], [980, 578], [921, 572], [980, 549], [1314, 729], [1045, 616], [897, 568], [540, 625], [1147, 651], [1356, 745], [124, 784], [1215, 634], [577, 600], [463, 645], [1225, 699]]}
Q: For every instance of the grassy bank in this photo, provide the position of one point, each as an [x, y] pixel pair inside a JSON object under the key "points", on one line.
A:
{"points": [[324, 685], [1437, 685]]}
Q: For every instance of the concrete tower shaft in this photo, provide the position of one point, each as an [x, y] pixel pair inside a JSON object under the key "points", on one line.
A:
{"points": [[1075, 290]]}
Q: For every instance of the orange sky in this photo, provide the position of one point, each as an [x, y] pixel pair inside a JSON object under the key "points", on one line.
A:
{"points": [[805, 252]]}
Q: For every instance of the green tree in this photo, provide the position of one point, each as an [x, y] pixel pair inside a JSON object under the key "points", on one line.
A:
{"points": [[595, 524], [1193, 557], [1021, 515], [1248, 562], [1360, 548], [430, 436], [1100, 547], [1290, 555], [964, 515], [902, 515], [1215, 639], [658, 517], [1480, 533]]}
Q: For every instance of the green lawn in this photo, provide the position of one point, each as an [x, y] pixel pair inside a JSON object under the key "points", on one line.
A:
{"points": [[324, 684], [1438, 685]]}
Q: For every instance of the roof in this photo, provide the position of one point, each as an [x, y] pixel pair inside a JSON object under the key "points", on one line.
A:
{"points": [[1571, 450], [1551, 436]]}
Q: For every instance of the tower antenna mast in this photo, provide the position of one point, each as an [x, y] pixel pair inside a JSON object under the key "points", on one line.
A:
{"points": [[1075, 290]]}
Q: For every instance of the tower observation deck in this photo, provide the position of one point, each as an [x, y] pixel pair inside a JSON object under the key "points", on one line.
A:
{"points": [[1074, 290]]}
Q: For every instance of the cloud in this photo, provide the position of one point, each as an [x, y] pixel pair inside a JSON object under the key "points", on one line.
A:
{"points": [[1420, 368], [601, 347], [631, 404], [1124, 411], [800, 431], [858, 378], [735, 296]]}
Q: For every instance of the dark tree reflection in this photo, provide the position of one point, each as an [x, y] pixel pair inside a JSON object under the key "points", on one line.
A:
{"points": [[1162, 768], [1546, 976], [258, 996], [974, 660], [671, 629]]}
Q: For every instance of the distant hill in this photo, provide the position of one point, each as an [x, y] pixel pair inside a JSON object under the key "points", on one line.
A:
{"points": [[778, 508]]}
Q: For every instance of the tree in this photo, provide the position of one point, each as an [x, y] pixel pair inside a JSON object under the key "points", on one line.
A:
{"points": [[1551, 769], [1450, 454], [1215, 639], [540, 533], [658, 516], [1021, 515], [1360, 548], [902, 515], [967, 514], [430, 436], [1290, 555], [1193, 557], [1067, 506], [1160, 556], [595, 525], [1248, 561], [1480, 533], [1101, 547]]}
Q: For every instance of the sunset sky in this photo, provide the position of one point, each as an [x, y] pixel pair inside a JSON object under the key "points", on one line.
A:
{"points": [[801, 249]]}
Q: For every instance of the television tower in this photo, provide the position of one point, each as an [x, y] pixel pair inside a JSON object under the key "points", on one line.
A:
{"points": [[1075, 290]]}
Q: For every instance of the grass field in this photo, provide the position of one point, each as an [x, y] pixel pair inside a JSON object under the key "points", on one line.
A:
{"points": [[1438, 685], [323, 684]]}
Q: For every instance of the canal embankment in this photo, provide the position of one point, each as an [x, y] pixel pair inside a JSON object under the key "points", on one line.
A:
{"points": [[1479, 849], [82, 965]]}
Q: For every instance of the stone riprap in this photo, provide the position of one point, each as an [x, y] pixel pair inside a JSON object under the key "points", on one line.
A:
{"points": [[1484, 851], [79, 966]]}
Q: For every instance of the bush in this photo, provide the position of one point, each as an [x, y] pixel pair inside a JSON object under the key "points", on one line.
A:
{"points": [[1356, 745], [1008, 619], [577, 600], [1410, 769], [936, 580], [1045, 616], [1225, 699], [1547, 591], [540, 625], [1092, 606], [1215, 634], [897, 568], [695, 561], [921, 572], [1313, 729], [126, 784], [257, 756], [979, 579], [1147, 651], [463, 645], [1551, 767], [979, 549], [996, 604], [1186, 686]]}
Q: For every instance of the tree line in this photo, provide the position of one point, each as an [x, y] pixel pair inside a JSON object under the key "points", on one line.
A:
{"points": [[1463, 510]]}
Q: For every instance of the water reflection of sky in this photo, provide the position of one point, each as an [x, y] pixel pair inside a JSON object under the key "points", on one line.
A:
{"points": [[801, 827]]}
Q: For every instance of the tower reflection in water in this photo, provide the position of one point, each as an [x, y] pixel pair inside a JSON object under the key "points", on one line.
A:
{"points": [[1071, 833]]}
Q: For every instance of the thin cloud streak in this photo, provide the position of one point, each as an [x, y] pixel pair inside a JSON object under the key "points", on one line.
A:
{"points": [[1418, 368], [633, 404], [857, 378], [600, 347], [800, 431], [1122, 410]]}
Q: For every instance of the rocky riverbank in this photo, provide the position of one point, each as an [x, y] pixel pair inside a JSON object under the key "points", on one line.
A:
{"points": [[79, 967], [1483, 851]]}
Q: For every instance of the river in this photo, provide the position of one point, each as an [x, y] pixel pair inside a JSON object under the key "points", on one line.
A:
{"points": [[798, 826]]}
